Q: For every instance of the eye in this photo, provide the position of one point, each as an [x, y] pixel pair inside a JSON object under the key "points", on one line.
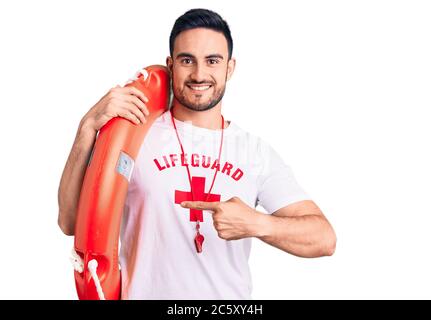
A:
{"points": [[213, 61], [186, 61]]}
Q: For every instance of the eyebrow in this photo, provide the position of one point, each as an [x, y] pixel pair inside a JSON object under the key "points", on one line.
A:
{"points": [[186, 54]]}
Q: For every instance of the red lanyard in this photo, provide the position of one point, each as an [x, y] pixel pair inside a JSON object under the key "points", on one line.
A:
{"points": [[199, 239]]}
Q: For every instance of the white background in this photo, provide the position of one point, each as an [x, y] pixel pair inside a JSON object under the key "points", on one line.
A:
{"points": [[341, 89]]}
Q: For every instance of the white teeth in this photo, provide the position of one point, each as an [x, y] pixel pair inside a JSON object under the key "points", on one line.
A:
{"points": [[200, 88]]}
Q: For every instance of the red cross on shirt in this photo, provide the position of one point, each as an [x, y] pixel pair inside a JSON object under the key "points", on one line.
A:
{"points": [[198, 185]]}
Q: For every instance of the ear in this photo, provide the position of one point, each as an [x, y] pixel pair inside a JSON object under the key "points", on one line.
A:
{"points": [[230, 68], [169, 63]]}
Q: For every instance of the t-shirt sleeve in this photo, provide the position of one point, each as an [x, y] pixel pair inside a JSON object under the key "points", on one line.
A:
{"points": [[277, 186]]}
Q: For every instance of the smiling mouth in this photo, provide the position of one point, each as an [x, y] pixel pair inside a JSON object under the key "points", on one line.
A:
{"points": [[199, 87]]}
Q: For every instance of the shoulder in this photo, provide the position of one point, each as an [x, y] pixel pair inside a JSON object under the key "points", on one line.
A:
{"points": [[162, 120], [246, 138]]}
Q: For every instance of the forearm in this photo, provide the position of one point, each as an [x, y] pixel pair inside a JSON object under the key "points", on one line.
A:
{"points": [[305, 236], [72, 178]]}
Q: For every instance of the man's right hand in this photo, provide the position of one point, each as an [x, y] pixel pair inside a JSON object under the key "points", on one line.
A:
{"points": [[125, 102]]}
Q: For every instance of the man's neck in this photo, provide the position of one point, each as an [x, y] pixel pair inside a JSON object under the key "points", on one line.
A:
{"points": [[209, 119]]}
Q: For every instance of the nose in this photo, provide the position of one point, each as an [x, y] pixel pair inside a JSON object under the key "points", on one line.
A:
{"points": [[198, 74]]}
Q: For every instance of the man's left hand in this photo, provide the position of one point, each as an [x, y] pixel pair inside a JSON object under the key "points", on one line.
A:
{"points": [[233, 219]]}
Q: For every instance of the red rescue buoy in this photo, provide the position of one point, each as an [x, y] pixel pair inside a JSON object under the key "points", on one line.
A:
{"points": [[104, 190]]}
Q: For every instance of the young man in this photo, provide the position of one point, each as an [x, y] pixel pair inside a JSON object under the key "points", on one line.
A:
{"points": [[190, 215]]}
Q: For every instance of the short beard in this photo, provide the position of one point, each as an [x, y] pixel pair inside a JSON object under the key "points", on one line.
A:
{"points": [[202, 107]]}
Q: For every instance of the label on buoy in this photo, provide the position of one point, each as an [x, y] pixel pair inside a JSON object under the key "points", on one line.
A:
{"points": [[125, 165]]}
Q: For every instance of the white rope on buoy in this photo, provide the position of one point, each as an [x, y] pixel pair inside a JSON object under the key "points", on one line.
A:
{"points": [[144, 73], [92, 267], [78, 266], [77, 262]]}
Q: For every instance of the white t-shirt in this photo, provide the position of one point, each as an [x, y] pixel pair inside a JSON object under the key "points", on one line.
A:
{"points": [[158, 256]]}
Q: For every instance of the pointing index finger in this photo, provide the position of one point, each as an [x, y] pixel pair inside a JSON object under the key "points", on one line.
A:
{"points": [[200, 205]]}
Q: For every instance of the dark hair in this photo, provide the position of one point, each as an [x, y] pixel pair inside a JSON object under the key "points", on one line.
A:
{"points": [[200, 18]]}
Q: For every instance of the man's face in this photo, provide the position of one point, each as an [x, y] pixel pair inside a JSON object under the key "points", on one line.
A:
{"points": [[200, 68]]}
